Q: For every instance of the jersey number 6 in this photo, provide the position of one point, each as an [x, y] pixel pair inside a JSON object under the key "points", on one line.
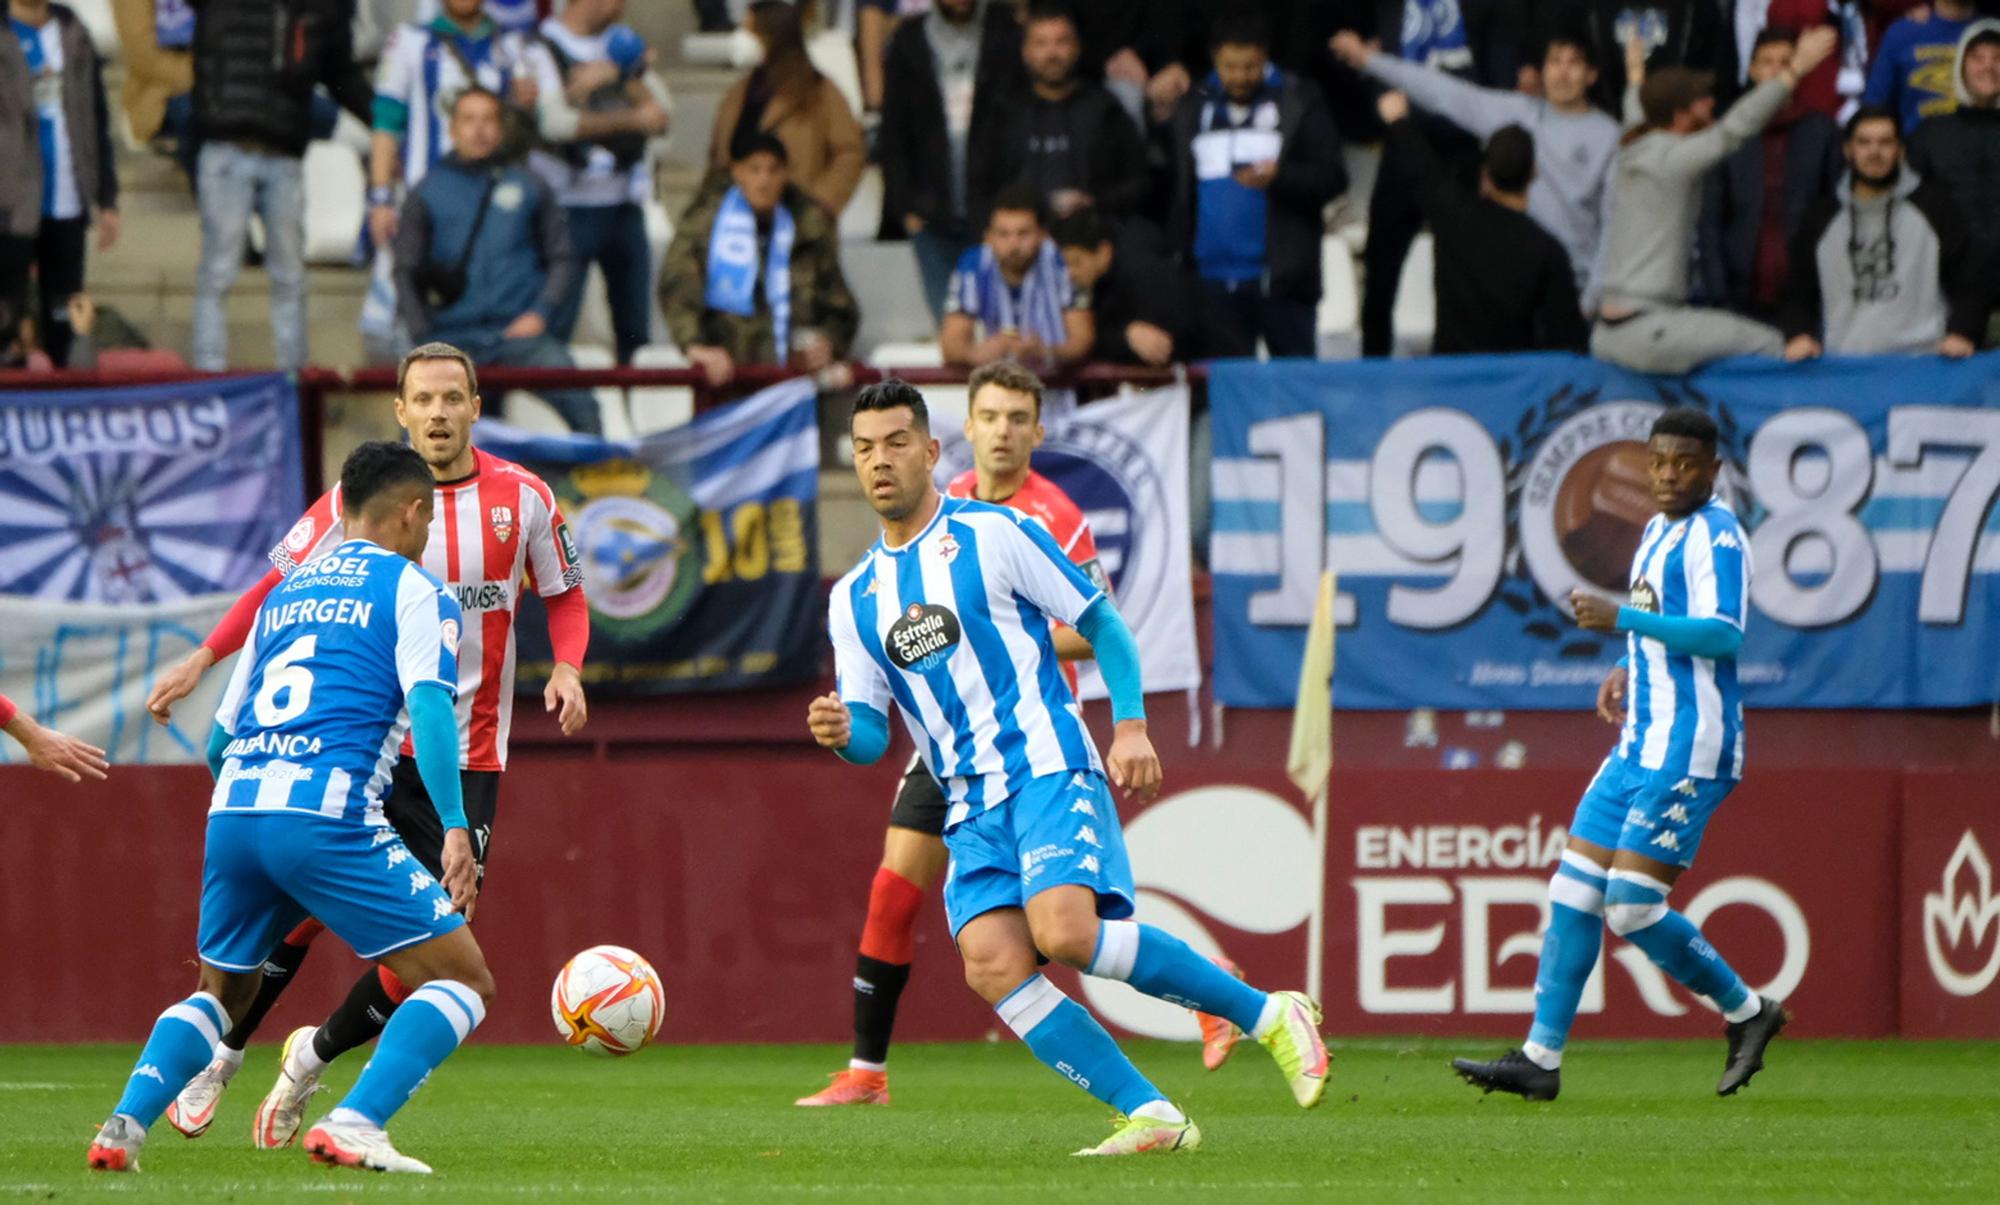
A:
{"points": [[283, 675]]}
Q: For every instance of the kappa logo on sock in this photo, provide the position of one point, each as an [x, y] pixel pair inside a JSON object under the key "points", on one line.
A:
{"points": [[150, 1072], [1677, 814], [1667, 840]]}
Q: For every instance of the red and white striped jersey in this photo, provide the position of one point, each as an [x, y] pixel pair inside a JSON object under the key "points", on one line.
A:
{"points": [[491, 534]]}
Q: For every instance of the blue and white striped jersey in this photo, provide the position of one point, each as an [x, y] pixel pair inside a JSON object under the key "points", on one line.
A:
{"points": [[1684, 714], [954, 626], [315, 707]]}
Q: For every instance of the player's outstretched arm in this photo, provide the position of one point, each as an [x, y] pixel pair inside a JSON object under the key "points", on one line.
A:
{"points": [[1132, 763], [434, 737], [50, 750]]}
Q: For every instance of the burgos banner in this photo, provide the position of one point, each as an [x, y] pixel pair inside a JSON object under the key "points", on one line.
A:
{"points": [[1461, 499]]}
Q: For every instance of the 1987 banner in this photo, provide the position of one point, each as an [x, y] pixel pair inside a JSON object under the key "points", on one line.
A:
{"points": [[1462, 499]]}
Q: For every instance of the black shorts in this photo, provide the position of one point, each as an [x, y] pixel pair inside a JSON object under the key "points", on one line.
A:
{"points": [[414, 816], [920, 802]]}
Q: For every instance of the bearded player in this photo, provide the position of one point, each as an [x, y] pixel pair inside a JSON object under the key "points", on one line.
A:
{"points": [[495, 526], [1679, 755], [949, 617], [1004, 426]]}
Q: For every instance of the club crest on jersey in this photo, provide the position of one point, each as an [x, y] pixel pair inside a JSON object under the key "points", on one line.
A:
{"points": [[923, 638], [947, 547], [503, 523]]}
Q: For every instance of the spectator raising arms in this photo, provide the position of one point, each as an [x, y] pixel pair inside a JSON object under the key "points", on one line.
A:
{"points": [[256, 63], [1574, 141], [787, 97], [58, 164], [1062, 137], [596, 108], [1960, 151], [1256, 160], [1644, 321], [1881, 266], [947, 75], [1012, 296], [1912, 73], [1503, 283], [753, 276], [483, 259], [1754, 201]]}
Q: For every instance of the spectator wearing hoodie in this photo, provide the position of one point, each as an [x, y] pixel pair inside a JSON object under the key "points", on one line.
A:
{"points": [[1062, 135], [1575, 142], [1256, 160], [1754, 201], [1880, 267], [1960, 151], [1910, 73], [1644, 320]]}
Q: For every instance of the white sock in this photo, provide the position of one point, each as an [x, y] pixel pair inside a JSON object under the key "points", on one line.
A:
{"points": [[865, 1065], [1541, 1056], [348, 1117], [1160, 1110], [229, 1060], [1274, 1011], [306, 1057], [1744, 1011]]}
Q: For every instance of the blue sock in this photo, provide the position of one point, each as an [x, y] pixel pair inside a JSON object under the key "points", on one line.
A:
{"points": [[183, 1041], [1167, 968], [1066, 1037], [1636, 907], [1569, 948], [421, 1034]]}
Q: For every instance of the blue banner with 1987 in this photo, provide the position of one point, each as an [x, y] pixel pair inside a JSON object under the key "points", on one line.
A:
{"points": [[1461, 499]]}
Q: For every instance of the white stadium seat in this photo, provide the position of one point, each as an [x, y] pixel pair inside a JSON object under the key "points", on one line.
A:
{"points": [[658, 407], [336, 189]]}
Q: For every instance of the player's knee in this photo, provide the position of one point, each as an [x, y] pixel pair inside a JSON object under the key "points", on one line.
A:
{"points": [[479, 980], [1070, 940], [1629, 918], [994, 973]]}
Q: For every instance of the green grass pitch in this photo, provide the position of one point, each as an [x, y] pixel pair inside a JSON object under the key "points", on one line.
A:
{"points": [[1865, 1121]]}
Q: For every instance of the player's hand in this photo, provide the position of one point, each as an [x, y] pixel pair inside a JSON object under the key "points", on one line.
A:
{"points": [[1133, 765], [830, 721], [564, 696], [1593, 613], [178, 683], [461, 871], [58, 754], [1611, 696]]}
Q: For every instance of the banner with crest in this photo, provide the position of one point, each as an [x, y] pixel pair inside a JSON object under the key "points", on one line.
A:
{"points": [[1461, 499], [699, 547]]}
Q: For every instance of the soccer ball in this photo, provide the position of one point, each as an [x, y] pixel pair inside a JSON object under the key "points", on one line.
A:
{"points": [[607, 1000]]}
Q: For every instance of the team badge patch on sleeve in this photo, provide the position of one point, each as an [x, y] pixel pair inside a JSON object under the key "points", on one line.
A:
{"points": [[449, 634]]}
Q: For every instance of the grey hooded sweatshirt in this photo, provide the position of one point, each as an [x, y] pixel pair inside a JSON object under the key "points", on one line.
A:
{"points": [[1889, 275]]}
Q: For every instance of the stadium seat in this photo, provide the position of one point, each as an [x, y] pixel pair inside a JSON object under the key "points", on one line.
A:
{"points": [[830, 51], [907, 355], [1339, 302], [610, 398], [887, 287], [1416, 300], [658, 407], [336, 188], [862, 218]]}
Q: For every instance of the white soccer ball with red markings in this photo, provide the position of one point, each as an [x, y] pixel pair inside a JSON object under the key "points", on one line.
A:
{"points": [[608, 1000]]}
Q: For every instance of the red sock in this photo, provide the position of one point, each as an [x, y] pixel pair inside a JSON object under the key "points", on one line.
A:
{"points": [[391, 985], [890, 934], [304, 934]]}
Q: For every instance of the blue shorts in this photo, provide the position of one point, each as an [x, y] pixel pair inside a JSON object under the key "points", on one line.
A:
{"points": [[1661, 816], [1061, 829], [263, 874]]}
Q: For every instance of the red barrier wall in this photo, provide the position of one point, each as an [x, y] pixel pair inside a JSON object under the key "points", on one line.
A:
{"points": [[737, 858]]}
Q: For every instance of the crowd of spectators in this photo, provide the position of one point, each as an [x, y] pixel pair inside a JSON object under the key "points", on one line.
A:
{"points": [[1137, 181]]}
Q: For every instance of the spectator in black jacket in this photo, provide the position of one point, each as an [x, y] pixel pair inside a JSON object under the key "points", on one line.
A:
{"points": [[1256, 161], [1062, 136], [1960, 151], [947, 75], [256, 63], [1148, 309], [1881, 267], [52, 93], [1503, 282], [1745, 232]]}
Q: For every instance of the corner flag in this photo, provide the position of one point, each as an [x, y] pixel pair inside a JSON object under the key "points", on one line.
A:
{"points": [[1309, 762]]}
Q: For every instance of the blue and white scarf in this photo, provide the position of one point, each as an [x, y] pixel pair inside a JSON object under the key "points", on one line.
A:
{"points": [[1434, 34], [732, 265], [980, 291]]}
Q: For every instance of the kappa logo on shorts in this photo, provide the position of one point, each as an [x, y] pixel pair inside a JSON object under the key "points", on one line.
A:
{"points": [[1088, 862], [382, 837], [1677, 814], [1088, 836], [1084, 806], [397, 857], [421, 881], [1667, 840], [923, 638], [441, 909], [1686, 787]]}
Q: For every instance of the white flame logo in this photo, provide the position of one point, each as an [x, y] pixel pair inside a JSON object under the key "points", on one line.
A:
{"points": [[1954, 918]]}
